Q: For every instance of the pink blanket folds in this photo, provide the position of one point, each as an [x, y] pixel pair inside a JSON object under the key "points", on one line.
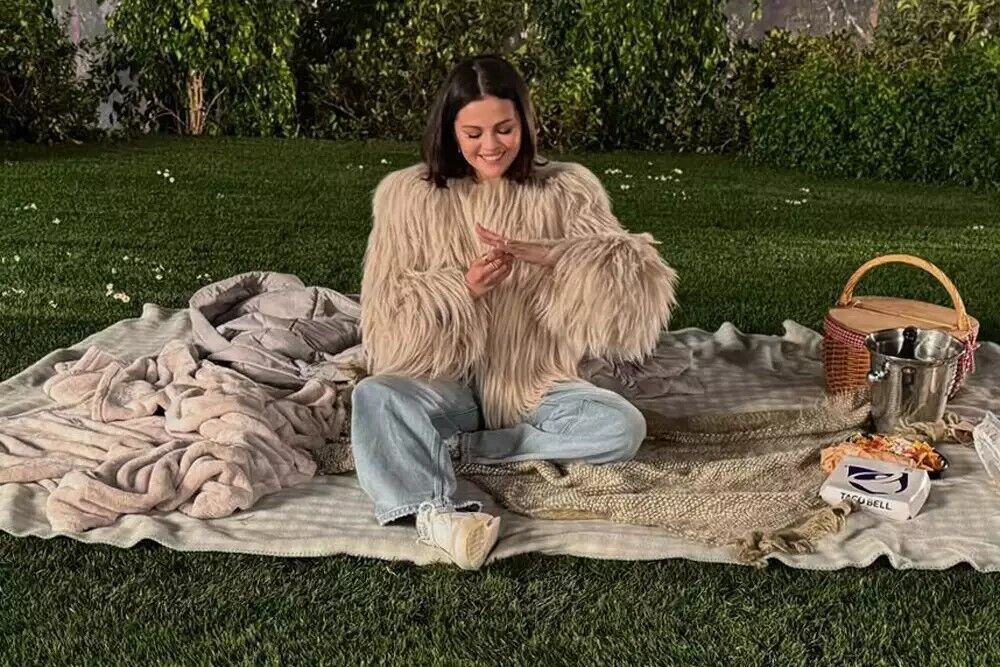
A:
{"points": [[165, 432]]}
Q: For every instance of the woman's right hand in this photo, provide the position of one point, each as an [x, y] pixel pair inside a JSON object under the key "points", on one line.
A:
{"points": [[488, 271]]}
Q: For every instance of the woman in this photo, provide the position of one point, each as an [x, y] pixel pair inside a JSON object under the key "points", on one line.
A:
{"points": [[489, 275]]}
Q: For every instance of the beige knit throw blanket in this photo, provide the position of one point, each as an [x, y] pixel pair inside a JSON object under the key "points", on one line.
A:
{"points": [[749, 480]]}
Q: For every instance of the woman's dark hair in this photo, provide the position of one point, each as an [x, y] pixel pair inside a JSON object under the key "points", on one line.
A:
{"points": [[471, 80]]}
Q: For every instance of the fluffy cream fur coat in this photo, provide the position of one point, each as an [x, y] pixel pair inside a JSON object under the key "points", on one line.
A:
{"points": [[609, 295]]}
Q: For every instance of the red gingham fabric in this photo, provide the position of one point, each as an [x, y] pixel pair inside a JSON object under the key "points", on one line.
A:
{"points": [[966, 363]]}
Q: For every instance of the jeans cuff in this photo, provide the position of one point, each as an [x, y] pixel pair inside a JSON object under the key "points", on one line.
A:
{"points": [[411, 508]]}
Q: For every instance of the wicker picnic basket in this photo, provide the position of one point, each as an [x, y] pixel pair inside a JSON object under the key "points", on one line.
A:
{"points": [[845, 358]]}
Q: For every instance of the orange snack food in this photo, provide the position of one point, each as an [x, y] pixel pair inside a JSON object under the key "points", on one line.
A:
{"points": [[891, 448]]}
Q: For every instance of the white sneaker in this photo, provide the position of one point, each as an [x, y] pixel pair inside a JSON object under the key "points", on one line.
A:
{"points": [[467, 537]]}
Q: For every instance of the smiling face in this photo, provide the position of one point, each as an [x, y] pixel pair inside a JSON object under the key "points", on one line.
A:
{"points": [[488, 131]]}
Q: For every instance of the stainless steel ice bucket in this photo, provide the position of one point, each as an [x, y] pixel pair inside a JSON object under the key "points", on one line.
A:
{"points": [[911, 373]]}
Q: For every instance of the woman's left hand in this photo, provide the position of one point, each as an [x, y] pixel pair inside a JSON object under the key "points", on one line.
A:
{"points": [[542, 253]]}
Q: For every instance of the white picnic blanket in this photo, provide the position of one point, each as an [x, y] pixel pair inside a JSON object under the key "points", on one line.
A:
{"points": [[728, 371]]}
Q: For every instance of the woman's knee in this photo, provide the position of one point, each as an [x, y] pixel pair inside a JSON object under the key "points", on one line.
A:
{"points": [[376, 393], [633, 429], [379, 406], [621, 425]]}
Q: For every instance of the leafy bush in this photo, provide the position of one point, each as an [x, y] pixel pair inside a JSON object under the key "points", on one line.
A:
{"points": [[41, 98], [570, 111], [384, 85], [862, 114], [920, 100], [654, 65], [209, 65], [924, 29], [325, 27], [602, 72]]}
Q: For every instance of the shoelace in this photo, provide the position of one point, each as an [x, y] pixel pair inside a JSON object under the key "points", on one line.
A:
{"points": [[423, 523]]}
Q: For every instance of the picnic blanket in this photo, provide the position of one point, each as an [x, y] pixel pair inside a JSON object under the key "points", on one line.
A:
{"points": [[327, 515], [173, 431]]}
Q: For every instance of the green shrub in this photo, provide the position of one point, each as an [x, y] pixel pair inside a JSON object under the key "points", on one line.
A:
{"points": [[920, 100], [927, 29], [602, 72], [751, 70], [864, 114], [969, 91], [41, 98], [325, 27], [654, 65], [384, 85], [569, 108], [221, 66]]}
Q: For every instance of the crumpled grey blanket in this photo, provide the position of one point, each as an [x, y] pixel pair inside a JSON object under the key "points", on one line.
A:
{"points": [[275, 330]]}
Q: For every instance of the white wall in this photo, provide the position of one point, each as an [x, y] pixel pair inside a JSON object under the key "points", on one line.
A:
{"points": [[84, 20]]}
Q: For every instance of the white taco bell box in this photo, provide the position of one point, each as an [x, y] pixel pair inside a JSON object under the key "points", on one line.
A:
{"points": [[888, 489]]}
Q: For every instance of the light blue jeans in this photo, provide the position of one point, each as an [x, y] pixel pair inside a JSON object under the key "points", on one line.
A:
{"points": [[402, 431]]}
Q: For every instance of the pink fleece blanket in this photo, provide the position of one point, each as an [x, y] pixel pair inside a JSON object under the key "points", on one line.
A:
{"points": [[165, 432]]}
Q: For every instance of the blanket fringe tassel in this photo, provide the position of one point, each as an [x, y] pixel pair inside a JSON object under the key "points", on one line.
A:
{"points": [[799, 538]]}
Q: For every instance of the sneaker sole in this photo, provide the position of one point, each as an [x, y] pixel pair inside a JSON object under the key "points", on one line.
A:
{"points": [[479, 540]]}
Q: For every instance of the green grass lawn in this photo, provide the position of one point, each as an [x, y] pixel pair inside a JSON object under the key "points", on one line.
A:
{"points": [[745, 252]]}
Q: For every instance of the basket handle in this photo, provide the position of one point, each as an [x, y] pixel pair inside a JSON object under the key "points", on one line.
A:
{"points": [[847, 295]]}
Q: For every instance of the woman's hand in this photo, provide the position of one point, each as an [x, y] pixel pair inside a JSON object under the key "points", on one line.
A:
{"points": [[542, 253], [488, 271]]}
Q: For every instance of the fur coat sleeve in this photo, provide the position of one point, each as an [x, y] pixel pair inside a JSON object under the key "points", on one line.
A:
{"points": [[417, 316], [618, 279]]}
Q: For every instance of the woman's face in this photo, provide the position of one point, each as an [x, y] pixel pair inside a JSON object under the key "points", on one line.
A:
{"points": [[489, 136]]}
